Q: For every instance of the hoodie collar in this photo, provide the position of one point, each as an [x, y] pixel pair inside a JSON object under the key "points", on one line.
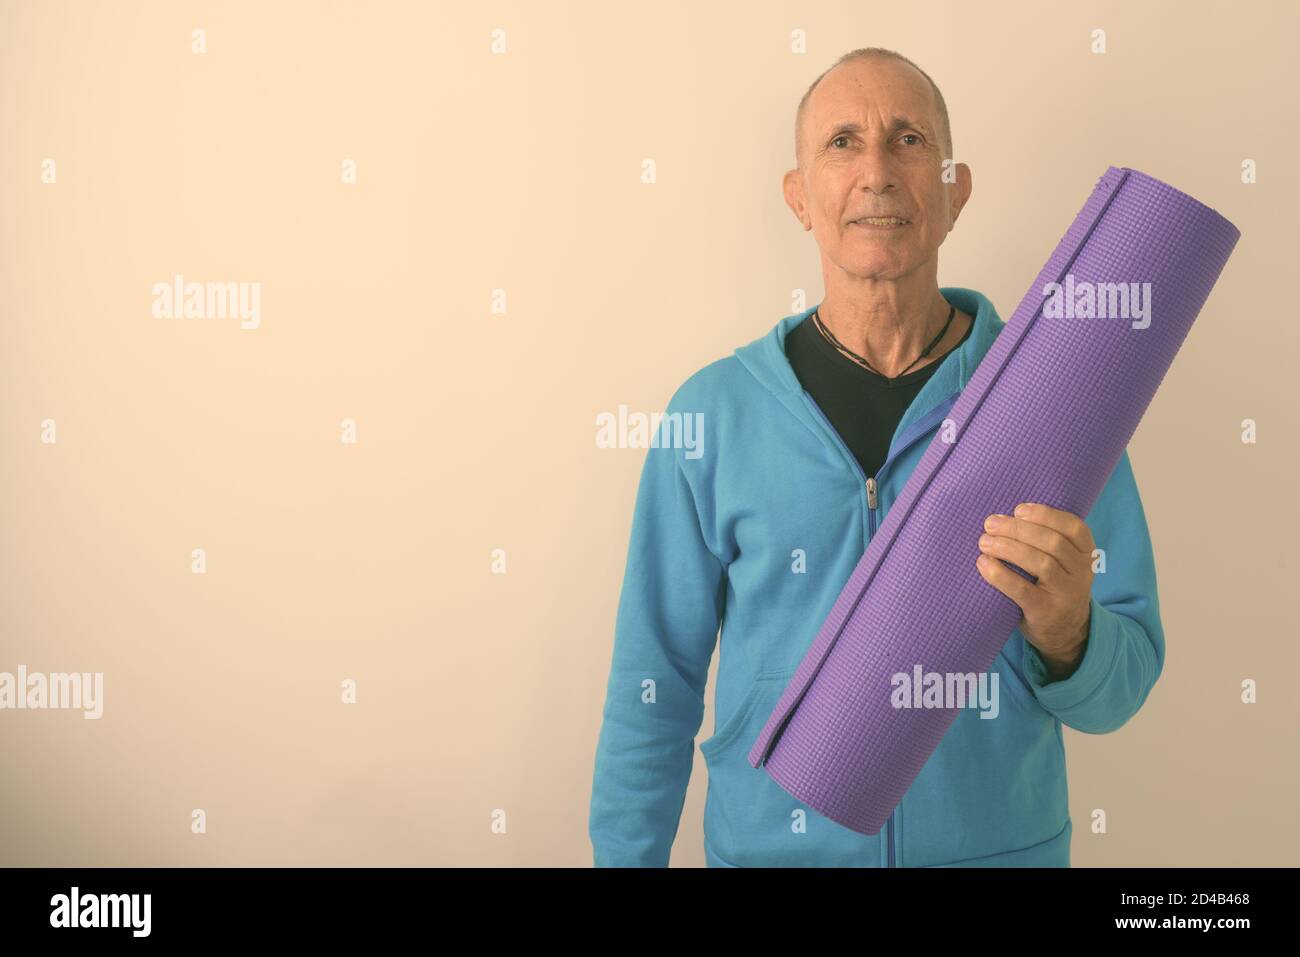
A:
{"points": [[766, 360]]}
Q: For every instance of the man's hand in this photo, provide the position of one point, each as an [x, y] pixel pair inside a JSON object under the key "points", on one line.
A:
{"points": [[1056, 547]]}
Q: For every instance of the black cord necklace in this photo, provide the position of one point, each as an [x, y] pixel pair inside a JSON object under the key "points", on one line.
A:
{"points": [[830, 336]]}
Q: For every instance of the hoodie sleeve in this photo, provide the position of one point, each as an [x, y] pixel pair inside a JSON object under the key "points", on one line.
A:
{"points": [[1125, 652], [669, 613]]}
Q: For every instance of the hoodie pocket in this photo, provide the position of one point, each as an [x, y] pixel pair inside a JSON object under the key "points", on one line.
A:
{"points": [[727, 732], [750, 820]]}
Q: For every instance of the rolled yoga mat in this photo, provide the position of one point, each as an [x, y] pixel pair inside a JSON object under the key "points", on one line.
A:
{"points": [[1045, 418]]}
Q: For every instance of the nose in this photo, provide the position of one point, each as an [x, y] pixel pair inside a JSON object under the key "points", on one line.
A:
{"points": [[876, 169]]}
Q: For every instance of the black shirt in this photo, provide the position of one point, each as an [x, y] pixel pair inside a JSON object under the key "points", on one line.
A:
{"points": [[863, 407]]}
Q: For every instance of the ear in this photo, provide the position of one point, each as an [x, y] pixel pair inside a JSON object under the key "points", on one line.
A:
{"points": [[792, 188], [959, 193]]}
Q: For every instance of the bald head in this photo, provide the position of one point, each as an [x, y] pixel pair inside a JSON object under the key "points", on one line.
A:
{"points": [[940, 108]]}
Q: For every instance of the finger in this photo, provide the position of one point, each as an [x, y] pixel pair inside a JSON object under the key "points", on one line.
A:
{"points": [[1018, 589], [1043, 537], [1042, 565], [1071, 526]]}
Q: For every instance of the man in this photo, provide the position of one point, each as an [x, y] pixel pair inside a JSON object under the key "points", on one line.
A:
{"points": [[813, 430]]}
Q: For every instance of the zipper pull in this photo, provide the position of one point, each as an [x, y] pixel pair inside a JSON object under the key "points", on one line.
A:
{"points": [[871, 492]]}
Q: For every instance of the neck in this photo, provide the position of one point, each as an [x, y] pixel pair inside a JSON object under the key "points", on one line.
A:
{"points": [[889, 323]]}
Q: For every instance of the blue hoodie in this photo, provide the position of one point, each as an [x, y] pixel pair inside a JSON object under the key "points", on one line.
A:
{"points": [[755, 531]]}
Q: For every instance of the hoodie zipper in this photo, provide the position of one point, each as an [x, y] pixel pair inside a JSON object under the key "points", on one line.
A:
{"points": [[872, 483], [871, 527]]}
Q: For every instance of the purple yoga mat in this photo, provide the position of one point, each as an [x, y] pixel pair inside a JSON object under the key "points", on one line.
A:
{"points": [[1044, 418]]}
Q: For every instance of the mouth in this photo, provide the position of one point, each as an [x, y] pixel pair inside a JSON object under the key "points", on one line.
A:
{"points": [[880, 222]]}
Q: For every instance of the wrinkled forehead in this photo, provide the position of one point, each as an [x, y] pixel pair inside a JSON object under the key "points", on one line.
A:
{"points": [[874, 94]]}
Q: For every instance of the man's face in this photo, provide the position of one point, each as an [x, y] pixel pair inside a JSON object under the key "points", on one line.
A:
{"points": [[871, 147]]}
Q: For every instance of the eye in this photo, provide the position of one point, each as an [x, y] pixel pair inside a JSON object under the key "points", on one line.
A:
{"points": [[838, 138], [911, 136]]}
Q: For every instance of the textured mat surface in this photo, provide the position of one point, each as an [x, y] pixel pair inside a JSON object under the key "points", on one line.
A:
{"points": [[1044, 418]]}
